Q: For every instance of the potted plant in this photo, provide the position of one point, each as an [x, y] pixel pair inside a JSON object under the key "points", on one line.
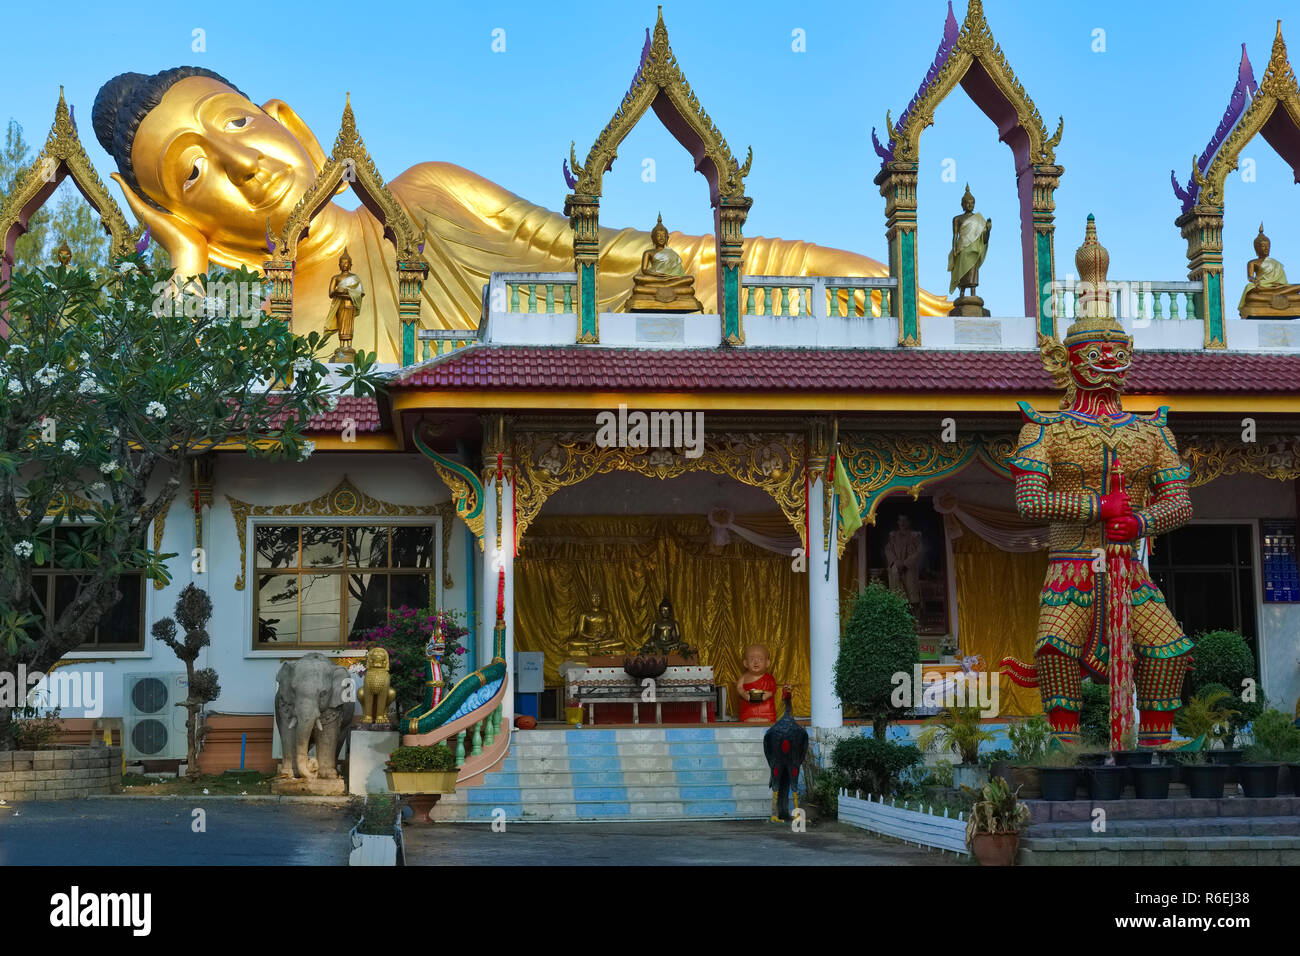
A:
{"points": [[996, 819], [377, 836], [421, 770], [1029, 742], [958, 730], [1151, 780], [1204, 780], [1104, 777], [1058, 774], [1277, 741]]}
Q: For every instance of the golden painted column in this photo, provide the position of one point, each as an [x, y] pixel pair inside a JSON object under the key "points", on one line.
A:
{"points": [[730, 223], [584, 218], [1042, 282], [411, 273], [897, 182], [279, 273], [1202, 227]]}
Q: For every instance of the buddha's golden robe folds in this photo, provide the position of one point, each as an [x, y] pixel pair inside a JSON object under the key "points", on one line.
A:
{"points": [[476, 227]]}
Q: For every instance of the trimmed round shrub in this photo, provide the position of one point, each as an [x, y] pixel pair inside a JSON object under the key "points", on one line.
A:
{"points": [[879, 641], [871, 764]]}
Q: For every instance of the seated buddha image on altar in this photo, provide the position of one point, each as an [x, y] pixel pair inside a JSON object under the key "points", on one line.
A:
{"points": [[907, 551], [1267, 293]]}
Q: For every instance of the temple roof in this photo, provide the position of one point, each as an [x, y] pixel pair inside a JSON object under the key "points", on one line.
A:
{"points": [[362, 409], [767, 370]]}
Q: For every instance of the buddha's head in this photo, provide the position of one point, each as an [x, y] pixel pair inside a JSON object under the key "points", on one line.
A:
{"points": [[659, 234], [665, 611], [595, 600], [193, 147], [1262, 245], [345, 262], [968, 201]]}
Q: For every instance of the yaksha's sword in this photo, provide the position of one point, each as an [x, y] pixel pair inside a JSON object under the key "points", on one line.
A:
{"points": [[1119, 610]]}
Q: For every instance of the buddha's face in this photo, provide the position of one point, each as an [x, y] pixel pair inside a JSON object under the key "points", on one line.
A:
{"points": [[665, 613], [967, 203], [595, 600], [1100, 363], [1262, 246], [217, 161], [345, 263], [659, 236]]}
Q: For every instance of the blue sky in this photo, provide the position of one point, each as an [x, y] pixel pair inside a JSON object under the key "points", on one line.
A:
{"points": [[426, 85]]}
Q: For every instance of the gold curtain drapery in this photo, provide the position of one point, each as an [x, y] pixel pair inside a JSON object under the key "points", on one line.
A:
{"points": [[724, 599], [997, 611]]}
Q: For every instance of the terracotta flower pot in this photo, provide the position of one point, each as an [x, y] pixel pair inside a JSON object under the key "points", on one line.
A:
{"points": [[995, 849]]}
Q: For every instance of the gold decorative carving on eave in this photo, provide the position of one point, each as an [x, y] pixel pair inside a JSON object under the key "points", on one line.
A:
{"points": [[659, 74], [976, 42], [1277, 87], [63, 150], [159, 526], [350, 152], [881, 463], [464, 501], [344, 500], [1215, 456], [772, 462]]}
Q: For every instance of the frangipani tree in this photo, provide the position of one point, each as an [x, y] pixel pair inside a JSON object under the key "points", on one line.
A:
{"points": [[109, 384]]}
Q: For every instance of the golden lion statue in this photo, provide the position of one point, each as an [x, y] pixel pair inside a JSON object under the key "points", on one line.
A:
{"points": [[376, 694]]}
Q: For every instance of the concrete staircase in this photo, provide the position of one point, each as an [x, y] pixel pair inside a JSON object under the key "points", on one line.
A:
{"points": [[660, 773], [1175, 832]]}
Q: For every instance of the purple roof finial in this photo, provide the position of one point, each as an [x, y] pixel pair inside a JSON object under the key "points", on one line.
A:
{"points": [[270, 243], [645, 55], [143, 244], [568, 176], [950, 33], [1245, 86]]}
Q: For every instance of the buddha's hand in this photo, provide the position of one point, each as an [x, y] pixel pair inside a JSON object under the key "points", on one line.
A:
{"points": [[187, 246]]}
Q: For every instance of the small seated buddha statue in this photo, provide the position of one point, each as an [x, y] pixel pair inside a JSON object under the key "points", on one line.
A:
{"points": [[1267, 294], [756, 687], [665, 636], [594, 635], [663, 284]]}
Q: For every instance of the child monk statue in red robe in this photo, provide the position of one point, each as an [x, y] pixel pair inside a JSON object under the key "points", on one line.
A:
{"points": [[756, 687]]}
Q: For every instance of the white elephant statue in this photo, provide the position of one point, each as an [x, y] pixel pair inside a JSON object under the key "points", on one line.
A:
{"points": [[314, 705]]}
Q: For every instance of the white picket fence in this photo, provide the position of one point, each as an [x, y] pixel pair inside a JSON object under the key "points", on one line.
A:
{"points": [[919, 826]]}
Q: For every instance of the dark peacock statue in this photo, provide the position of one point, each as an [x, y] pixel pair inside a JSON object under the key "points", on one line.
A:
{"points": [[784, 746]]}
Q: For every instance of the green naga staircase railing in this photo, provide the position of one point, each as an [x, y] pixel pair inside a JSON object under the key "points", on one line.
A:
{"points": [[425, 717]]}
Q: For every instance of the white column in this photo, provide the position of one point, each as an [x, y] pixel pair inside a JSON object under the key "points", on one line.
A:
{"points": [[823, 614], [508, 562]]}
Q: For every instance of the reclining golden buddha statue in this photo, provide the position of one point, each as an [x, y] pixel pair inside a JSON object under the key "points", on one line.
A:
{"points": [[206, 169]]}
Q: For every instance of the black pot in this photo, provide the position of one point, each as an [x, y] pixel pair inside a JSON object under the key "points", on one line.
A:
{"points": [[1105, 783], [1092, 760], [1058, 783], [1151, 782], [1132, 758], [1259, 779], [1205, 780], [1227, 758]]}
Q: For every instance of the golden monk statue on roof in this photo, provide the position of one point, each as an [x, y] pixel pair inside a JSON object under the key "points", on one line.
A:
{"points": [[206, 169], [1267, 293], [663, 284]]}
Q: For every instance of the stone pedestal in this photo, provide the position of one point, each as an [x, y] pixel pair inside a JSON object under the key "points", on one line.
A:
{"points": [[368, 751], [308, 786], [968, 305]]}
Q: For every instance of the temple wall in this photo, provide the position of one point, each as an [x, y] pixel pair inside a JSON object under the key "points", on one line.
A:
{"points": [[248, 677]]}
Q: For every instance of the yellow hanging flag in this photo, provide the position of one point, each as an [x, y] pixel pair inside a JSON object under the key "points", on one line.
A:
{"points": [[850, 516]]}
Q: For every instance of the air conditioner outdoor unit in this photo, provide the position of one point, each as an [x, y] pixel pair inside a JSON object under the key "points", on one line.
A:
{"points": [[155, 726]]}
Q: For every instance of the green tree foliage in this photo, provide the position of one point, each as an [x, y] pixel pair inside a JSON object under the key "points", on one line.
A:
{"points": [[66, 216], [872, 764], [108, 388], [1094, 719], [878, 642], [1222, 657]]}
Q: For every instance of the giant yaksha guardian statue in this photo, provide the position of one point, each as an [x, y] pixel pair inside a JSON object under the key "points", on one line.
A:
{"points": [[1104, 479]]}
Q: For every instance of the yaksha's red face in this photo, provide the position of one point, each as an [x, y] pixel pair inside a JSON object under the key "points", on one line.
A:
{"points": [[1100, 363]]}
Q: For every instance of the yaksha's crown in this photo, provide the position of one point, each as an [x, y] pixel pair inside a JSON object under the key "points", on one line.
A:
{"points": [[1094, 319]]}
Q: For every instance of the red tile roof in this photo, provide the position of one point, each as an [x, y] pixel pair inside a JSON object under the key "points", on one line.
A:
{"points": [[774, 369], [363, 410]]}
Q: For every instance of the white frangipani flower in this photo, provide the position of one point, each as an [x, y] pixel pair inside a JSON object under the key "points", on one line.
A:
{"points": [[47, 375], [308, 447], [301, 363], [108, 467], [23, 549], [156, 410], [70, 446], [15, 387]]}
